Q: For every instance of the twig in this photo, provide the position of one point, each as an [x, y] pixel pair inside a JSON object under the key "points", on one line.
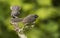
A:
{"points": [[19, 31]]}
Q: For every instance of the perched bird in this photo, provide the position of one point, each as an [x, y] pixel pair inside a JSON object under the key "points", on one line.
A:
{"points": [[30, 19], [15, 11]]}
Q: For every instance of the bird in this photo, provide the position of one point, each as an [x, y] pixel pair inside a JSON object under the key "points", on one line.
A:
{"points": [[15, 11], [29, 19]]}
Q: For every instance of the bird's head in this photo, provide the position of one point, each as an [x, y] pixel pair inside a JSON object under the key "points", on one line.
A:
{"points": [[36, 16]]}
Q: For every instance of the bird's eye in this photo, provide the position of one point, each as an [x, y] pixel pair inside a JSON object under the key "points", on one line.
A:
{"points": [[36, 16]]}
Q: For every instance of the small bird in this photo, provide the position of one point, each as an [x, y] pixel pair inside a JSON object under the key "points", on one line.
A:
{"points": [[15, 11], [30, 19]]}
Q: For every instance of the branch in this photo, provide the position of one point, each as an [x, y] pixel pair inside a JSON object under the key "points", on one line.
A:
{"points": [[19, 31]]}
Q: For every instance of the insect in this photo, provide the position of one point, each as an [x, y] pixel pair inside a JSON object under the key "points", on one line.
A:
{"points": [[15, 11]]}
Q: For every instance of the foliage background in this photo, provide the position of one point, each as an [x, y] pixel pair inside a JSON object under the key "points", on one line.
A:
{"points": [[47, 25]]}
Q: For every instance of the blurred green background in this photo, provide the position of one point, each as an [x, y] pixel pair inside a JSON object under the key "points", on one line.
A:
{"points": [[47, 25]]}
